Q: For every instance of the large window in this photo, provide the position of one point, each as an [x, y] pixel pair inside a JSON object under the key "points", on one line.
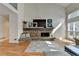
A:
{"points": [[73, 25], [14, 5], [73, 29], [73, 14]]}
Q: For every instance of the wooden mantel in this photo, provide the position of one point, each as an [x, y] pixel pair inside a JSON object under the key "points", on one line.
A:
{"points": [[37, 28]]}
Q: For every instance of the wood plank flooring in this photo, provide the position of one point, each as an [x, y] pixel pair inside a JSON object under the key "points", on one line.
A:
{"points": [[8, 49], [12, 49]]}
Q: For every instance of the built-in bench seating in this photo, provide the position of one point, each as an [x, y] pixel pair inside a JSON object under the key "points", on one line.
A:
{"points": [[72, 50]]}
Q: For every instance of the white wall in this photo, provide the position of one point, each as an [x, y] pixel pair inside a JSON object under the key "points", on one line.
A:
{"points": [[6, 26], [72, 7], [46, 11], [1, 27], [29, 11]]}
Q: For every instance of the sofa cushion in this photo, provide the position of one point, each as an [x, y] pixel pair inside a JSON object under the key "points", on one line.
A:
{"points": [[73, 49]]}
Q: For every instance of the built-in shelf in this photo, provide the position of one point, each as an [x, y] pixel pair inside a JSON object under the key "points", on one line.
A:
{"points": [[37, 28]]}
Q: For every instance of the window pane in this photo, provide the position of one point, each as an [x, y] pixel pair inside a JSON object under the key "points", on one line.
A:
{"points": [[73, 14]]}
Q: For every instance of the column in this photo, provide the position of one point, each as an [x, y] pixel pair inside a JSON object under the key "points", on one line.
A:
{"points": [[13, 28], [66, 24]]}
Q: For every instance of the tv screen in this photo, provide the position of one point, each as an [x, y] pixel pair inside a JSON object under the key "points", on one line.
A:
{"points": [[40, 22]]}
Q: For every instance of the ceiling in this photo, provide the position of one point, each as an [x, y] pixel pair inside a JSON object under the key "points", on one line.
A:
{"points": [[63, 4], [4, 10], [70, 7]]}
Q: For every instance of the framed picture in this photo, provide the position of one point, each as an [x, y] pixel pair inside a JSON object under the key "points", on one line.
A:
{"points": [[49, 22]]}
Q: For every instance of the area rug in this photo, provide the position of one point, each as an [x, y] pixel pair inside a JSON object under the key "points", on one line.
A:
{"points": [[40, 46], [46, 48]]}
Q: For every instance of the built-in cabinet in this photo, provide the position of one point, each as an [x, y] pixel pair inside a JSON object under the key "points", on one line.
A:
{"points": [[38, 28]]}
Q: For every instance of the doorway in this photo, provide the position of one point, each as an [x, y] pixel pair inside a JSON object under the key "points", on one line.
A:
{"points": [[6, 27]]}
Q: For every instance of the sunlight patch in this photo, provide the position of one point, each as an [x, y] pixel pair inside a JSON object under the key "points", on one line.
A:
{"points": [[51, 46], [53, 50], [48, 42]]}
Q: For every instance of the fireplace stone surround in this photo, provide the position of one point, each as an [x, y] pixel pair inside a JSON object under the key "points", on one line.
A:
{"points": [[38, 32]]}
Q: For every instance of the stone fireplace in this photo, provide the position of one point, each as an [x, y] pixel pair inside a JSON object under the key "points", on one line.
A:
{"points": [[38, 32]]}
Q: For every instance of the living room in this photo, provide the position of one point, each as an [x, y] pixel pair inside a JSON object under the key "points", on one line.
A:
{"points": [[42, 27]]}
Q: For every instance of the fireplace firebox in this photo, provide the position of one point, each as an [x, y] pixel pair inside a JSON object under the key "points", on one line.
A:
{"points": [[45, 34]]}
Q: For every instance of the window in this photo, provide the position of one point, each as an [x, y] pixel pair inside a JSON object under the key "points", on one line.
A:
{"points": [[73, 14], [14, 5], [73, 29]]}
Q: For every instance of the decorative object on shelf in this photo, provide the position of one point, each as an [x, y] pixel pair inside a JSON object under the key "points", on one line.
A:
{"points": [[27, 24], [49, 23], [24, 36], [24, 24], [30, 24], [34, 24]]}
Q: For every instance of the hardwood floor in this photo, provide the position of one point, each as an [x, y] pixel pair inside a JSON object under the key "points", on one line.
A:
{"points": [[8, 49], [12, 49]]}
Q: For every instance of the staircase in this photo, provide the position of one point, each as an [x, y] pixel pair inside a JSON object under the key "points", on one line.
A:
{"points": [[54, 31]]}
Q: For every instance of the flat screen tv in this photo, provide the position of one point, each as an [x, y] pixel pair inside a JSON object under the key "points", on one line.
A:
{"points": [[40, 22]]}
